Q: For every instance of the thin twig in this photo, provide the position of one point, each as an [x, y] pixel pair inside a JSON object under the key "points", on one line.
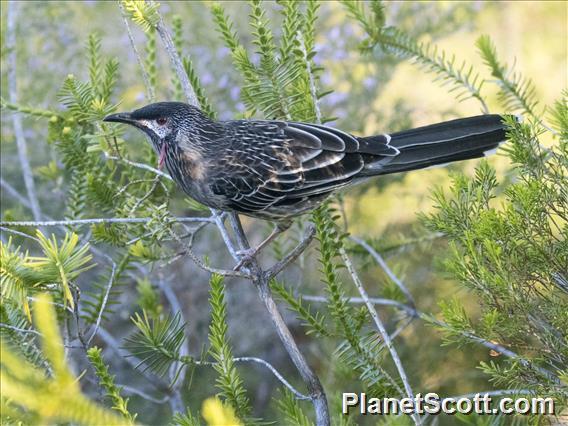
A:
{"points": [[99, 220], [379, 259], [131, 360], [59, 305], [105, 300], [139, 202], [313, 90], [312, 381], [381, 328], [219, 220], [11, 14], [21, 234], [294, 254], [261, 282], [145, 77], [138, 165], [412, 312], [20, 330], [493, 346], [279, 376], [131, 183], [14, 193], [189, 252], [129, 390], [175, 306], [261, 361], [176, 63]]}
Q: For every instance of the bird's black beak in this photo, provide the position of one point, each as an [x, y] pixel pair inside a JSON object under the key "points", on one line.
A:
{"points": [[121, 117]]}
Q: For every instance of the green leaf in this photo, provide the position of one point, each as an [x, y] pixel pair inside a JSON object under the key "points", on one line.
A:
{"points": [[157, 342], [61, 264], [143, 13], [56, 398], [106, 380], [228, 382]]}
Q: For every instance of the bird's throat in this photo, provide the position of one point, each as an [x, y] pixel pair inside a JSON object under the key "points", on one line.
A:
{"points": [[162, 158]]}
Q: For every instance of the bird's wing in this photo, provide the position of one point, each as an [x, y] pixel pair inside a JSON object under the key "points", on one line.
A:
{"points": [[272, 162]]}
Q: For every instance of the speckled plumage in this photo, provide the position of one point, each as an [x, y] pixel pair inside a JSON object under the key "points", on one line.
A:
{"points": [[276, 170]]}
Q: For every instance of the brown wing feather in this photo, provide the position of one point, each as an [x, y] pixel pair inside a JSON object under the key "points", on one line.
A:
{"points": [[283, 163]]}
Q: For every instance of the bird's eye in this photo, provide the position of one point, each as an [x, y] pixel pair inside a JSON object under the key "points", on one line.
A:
{"points": [[161, 121]]}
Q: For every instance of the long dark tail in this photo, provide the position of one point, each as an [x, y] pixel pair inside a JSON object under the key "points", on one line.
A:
{"points": [[441, 143]]}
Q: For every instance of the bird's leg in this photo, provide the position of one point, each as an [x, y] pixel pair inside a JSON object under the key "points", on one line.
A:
{"points": [[248, 254]]}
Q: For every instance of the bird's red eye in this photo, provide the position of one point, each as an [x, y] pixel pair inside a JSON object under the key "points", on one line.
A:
{"points": [[161, 121]]}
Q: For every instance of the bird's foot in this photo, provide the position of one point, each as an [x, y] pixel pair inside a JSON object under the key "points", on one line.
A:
{"points": [[245, 257]]}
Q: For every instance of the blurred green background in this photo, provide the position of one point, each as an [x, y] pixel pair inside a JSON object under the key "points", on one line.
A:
{"points": [[372, 94]]}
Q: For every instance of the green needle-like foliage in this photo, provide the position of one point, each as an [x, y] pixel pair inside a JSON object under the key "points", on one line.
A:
{"points": [[229, 382], [17, 279], [516, 92], [143, 13], [150, 59], [185, 419], [178, 43], [63, 263], [107, 382], [23, 275], [280, 85], [16, 332], [61, 398], [288, 406], [363, 353], [199, 92], [460, 78], [35, 112], [157, 342], [513, 257], [372, 21], [149, 298], [93, 301], [315, 322]]}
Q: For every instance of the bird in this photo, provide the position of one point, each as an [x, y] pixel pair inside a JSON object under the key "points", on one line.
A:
{"points": [[277, 170]]}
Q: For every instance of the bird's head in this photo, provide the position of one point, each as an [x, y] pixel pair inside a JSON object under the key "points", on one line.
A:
{"points": [[162, 121]]}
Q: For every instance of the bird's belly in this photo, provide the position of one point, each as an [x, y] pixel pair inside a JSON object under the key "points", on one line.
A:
{"points": [[288, 209], [197, 189]]}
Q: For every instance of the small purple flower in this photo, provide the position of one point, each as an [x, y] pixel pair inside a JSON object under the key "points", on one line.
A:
{"points": [[334, 34], [339, 54], [206, 79], [348, 30], [223, 82], [326, 79], [235, 93], [335, 98], [369, 82], [222, 52]]}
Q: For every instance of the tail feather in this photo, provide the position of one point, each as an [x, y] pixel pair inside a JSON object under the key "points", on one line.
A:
{"points": [[441, 143]]}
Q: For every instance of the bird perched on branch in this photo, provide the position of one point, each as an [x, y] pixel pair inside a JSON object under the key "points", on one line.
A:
{"points": [[280, 169]]}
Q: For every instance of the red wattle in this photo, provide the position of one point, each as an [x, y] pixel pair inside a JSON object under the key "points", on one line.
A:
{"points": [[162, 156]]}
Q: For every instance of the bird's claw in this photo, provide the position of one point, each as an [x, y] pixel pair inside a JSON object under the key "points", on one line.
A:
{"points": [[245, 257]]}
